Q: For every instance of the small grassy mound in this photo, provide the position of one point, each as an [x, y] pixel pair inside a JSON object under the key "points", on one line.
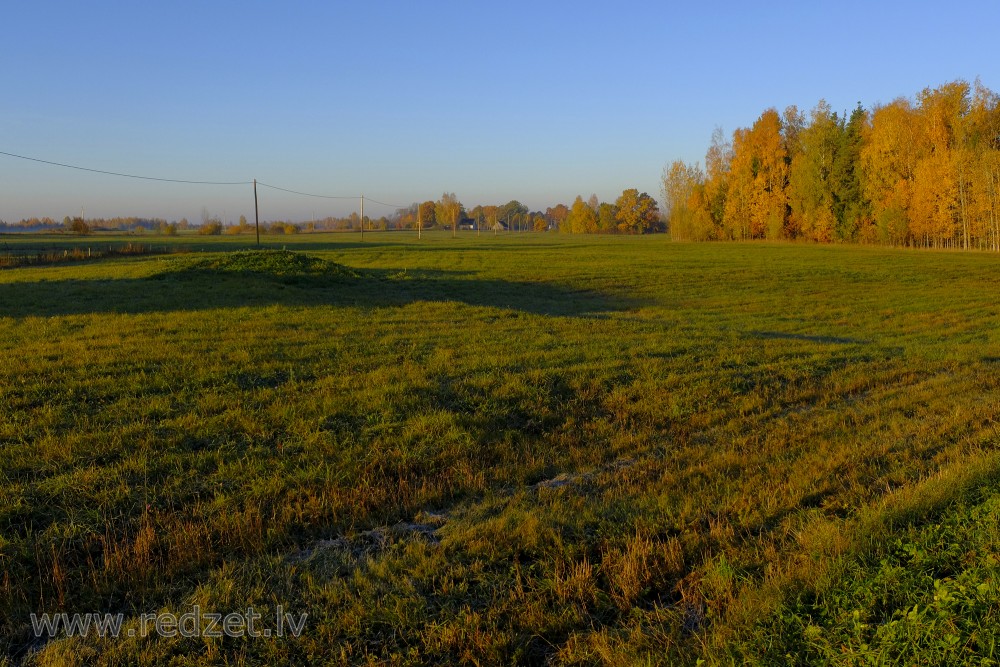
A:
{"points": [[283, 265]]}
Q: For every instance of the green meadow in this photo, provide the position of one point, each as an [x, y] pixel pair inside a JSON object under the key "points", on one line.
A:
{"points": [[512, 449]]}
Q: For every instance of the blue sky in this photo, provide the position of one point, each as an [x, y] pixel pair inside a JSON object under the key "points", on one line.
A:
{"points": [[536, 101]]}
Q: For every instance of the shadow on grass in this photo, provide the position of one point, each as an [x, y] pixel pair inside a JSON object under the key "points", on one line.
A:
{"points": [[831, 340], [405, 241], [198, 289]]}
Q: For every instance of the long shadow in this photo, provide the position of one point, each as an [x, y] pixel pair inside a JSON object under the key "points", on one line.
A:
{"points": [[406, 241], [13, 245], [832, 340], [369, 288]]}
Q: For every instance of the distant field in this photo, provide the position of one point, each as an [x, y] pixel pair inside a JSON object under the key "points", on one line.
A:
{"points": [[527, 448]]}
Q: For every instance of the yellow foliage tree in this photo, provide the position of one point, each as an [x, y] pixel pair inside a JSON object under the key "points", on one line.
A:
{"points": [[756, 202], [683, 189], [888, 161], [636, 213], [582, 218], [933, 196]]}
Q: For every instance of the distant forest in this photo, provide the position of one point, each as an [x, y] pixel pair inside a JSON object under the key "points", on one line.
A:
{"points": [[76, 224], [633, 212], [922, 172]]}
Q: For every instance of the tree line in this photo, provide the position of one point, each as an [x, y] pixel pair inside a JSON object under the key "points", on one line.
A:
{"points": [[79, 225], [923, 172], [632, 213]]}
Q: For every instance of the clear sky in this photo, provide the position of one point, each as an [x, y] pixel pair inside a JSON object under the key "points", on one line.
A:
{"points": [[536, 101]]}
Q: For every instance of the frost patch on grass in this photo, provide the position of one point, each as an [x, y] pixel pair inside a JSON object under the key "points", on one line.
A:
{"points": [[377, 540], [568, 479]]}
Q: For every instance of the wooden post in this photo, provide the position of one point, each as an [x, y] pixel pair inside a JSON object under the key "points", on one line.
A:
{"points": [[362, 217], [256, 212]]}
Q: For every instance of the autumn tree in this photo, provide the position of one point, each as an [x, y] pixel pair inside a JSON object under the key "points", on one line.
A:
{"points": [[810, 186], [582, 219], [557, 216], [984, 198], [892, 145], [756, 204], [79, 226], [718, 162], [448, 210], [932, 202], [211, 227], [406, 217], [637, 213], [607, 218], [940, 185], [793, 123], [687, 215], [512, 213], [491, 214], [983, 136], [427, 214]]}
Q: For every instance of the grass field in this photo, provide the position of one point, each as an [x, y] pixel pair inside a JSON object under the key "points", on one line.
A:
{"points": [[525, 449]]}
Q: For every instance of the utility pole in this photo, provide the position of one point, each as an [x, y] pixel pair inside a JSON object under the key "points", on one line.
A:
{"points": [[362, 216], [256, 211], [419, 227]]}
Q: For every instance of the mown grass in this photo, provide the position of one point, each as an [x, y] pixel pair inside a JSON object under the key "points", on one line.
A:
{"points": [[521, 449]]}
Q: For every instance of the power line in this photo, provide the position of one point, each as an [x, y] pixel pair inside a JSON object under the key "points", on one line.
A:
{"points": [[306, 194], [384, 204], [178, 180], [310, 194], [115, 173]]}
